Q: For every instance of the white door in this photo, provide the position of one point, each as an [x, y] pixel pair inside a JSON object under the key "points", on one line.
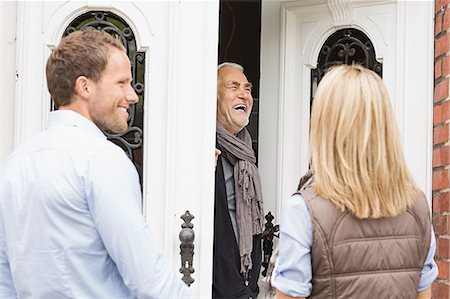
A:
{"points": [[179, 40], [293, 33]]}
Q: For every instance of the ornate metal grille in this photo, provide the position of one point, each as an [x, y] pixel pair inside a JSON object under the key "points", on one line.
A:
{"points": [[345, 46], [130, 141]]}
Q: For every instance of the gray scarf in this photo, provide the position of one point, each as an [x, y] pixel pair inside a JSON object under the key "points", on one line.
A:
{"points": [[249, 205]]}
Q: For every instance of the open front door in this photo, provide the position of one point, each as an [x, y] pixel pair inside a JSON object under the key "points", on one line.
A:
{"points": [[173, 49], [297, 39]]}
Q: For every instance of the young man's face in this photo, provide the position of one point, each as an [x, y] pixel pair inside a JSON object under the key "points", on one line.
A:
{"points": [[234, 99], [113, 94]]}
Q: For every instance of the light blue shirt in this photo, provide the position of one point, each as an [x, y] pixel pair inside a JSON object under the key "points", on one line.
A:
{"points": [[71, 223], [292, 274]]}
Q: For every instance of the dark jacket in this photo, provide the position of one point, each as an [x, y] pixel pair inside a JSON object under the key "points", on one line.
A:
{"points": [[228, 282]]}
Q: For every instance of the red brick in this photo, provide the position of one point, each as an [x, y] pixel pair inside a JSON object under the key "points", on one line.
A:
{"points": [[440, 134], [444, 3], [446, 66], [441, 156], [438, 6], [444, 202], [443, 291], [435, 203], [445, 111], [441, 45], [444, 250], [446, 17], [441, 91], [440, 224], [438, 25], [445, 155], [438, 69], [443, 270], [434, 289], [437, 157], [437, 114]]}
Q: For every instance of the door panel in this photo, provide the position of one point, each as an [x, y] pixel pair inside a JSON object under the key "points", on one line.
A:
{"points": [[179, 121], [394, 28]]}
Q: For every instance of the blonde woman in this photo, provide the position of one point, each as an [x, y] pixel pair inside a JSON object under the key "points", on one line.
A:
{"points": [[359, 227]]}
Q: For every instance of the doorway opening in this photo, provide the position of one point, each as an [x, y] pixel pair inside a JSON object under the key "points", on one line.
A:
{"points": [[240, 42]]}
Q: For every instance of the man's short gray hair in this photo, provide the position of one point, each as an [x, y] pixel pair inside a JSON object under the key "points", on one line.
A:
{"points": [[231, 64]]}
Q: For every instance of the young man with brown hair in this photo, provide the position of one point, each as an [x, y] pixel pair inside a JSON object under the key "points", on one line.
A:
{"points": [[70, 207]]}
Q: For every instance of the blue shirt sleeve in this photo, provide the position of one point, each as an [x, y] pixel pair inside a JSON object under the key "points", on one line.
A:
{"points": [[430, 269], [7, 289], [114, 199], [292, 272]]}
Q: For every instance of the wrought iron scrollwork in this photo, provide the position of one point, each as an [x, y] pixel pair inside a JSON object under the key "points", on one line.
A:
{"points": [[187, 248], [345, 46], [268, 234], [130, 141]]}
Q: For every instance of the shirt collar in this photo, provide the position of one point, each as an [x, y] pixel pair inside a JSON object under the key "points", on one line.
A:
{"points": [[72, 118]]}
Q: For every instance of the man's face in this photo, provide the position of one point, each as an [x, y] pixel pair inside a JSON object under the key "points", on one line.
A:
{"points": [[113, 94], [234, 99]]}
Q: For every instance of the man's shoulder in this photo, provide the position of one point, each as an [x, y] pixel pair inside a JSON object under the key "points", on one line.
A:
{"points": [[77, 140], [68, 139]]}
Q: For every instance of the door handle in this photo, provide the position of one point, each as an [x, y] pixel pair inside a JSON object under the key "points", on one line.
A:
{"points": [[268, 234], [187, 248]]}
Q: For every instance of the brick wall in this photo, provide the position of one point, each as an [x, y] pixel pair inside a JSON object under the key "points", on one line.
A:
{"points": [[441, 148]]}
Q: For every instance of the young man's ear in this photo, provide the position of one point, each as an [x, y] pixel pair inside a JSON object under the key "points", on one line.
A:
{"points": [[83, 87]]}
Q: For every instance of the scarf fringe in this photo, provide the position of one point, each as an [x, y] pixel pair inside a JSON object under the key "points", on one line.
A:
{"points": [[246, 264], [267, 288]]}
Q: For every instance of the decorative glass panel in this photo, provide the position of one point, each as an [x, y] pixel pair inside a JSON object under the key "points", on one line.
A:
{"points": [[130, 141], [345, 46]]}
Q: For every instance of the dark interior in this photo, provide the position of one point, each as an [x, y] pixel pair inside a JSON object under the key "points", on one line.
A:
{"points": [[239, 42]]}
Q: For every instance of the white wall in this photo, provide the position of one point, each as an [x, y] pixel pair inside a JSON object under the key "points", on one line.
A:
{"points": [[8, 12]]}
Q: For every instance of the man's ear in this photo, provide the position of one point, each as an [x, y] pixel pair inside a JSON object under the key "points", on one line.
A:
{"points": [[83, 87]]}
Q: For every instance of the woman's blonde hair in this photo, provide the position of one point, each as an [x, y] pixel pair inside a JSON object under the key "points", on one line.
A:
{"points": [[355, 149]]}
